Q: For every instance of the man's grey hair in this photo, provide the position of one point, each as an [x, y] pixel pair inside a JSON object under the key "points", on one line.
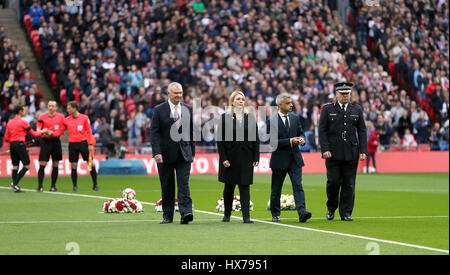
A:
{"points": [[282, 97], [172, 85]]}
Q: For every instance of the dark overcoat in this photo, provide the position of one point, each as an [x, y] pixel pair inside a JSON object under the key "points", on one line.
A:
{"points": [[239, 146]]}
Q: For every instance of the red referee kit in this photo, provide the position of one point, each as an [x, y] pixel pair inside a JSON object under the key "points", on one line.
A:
{"points": [[53, 123], [16, 130], [79, 128]]}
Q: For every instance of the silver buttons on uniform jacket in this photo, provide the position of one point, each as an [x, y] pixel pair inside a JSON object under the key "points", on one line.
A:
{"points": [[344, 135]]}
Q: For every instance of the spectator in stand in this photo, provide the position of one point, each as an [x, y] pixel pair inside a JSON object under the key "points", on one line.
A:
{"points": [[36, 14], [26, 80], [102, 133], [373, 143], [122, 126], [385, 132], [134, 127], [397, 111], [395, 141], [141, 116], [146, 137], [444, 141], [435, 137], [2, 129], [421, 129], [33, 99], [18, 99], [404, 122], [408, 139]]}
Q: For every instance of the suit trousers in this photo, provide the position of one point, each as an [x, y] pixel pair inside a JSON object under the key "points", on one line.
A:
{"points": [[167, 173], [341, 175], [278, 176], [244, 194]]}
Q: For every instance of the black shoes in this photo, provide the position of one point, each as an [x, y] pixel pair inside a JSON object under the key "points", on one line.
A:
{"points": [[302, 217], [16, 188], [75, 189], [346, 218], [164, 221], [330, 215], [52, 189], [227, 219], [186, 218], [305, 216]]}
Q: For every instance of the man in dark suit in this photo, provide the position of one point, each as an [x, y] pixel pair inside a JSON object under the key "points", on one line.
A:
{"points": [[343, 139], [287, 158], [173, 149]]}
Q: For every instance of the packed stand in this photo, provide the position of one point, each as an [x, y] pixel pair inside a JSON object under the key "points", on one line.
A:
{"points": [[410, 41], [17, 85], [117, 57]]}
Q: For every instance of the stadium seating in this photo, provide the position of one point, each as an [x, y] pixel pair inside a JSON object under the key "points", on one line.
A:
{"points": [[63, 97], [27, 22], [397, 67]]}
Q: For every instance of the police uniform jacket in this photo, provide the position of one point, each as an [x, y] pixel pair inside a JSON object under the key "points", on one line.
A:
{"points": [[343, 133]]}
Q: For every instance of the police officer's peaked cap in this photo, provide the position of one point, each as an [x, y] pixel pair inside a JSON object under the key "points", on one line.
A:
{"points": [[343, 87]]}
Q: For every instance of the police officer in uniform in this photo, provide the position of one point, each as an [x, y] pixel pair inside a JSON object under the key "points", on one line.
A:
{"points": [[343, 140]]}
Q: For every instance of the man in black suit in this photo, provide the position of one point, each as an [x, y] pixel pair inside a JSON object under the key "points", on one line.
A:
{"points": [[343, 139], [173, 149], [287, 158]]}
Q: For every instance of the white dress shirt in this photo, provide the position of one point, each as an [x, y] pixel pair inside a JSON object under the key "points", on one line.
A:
{"points": [[283, 118], [346, 105], [174, 108]]}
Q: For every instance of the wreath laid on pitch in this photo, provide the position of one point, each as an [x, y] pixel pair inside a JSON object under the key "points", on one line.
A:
{"points": [[287, 202], [126, 204], [236, 205], [121, 205]]}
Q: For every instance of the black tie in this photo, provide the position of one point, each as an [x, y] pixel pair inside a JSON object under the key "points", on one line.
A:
{"points": [[286, 122], [343, 107]]}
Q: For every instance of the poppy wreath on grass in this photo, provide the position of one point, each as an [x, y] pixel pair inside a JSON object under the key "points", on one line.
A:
{"points": [[121, 205]]}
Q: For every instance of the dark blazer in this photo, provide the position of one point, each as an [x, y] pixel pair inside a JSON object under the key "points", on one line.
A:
{"points": [[342, 133], [240, 154], [162, 142], [281, 157]]}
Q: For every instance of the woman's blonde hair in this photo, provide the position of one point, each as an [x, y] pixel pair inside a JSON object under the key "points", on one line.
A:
{"points": [[231, 99]]}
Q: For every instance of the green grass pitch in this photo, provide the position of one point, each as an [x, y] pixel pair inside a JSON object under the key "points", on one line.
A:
{"points": [[394, 214]]}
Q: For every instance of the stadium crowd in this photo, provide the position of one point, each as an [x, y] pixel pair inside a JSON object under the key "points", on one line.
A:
{"points": [[117, 57], [17, 84]]}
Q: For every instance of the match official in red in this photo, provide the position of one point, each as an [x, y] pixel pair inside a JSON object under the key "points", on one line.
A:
{"points": [[80, 141], [16, 131], [50, 123]]}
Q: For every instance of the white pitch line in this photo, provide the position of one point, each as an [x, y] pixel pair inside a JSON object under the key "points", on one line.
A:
{"points": [[105, 221], [269, 222], [391, 217]]}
